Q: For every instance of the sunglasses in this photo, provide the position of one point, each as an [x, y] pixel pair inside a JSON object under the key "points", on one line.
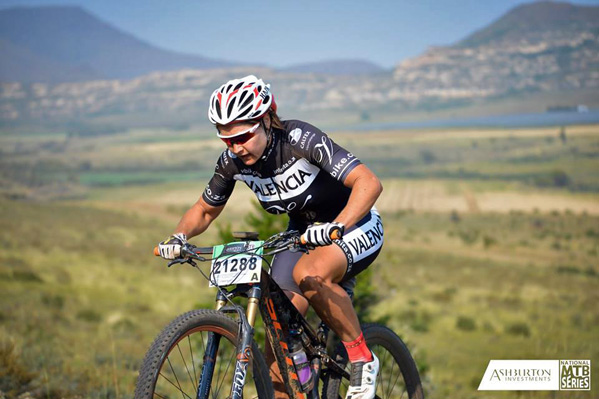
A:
{"points": [[241, 137]]}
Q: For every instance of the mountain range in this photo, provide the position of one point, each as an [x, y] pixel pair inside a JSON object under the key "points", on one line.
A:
{"points": [[56, 44], [540, 47], [66, 43]]}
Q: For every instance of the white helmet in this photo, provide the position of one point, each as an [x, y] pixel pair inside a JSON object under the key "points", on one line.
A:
{"points": [[239, 100]]}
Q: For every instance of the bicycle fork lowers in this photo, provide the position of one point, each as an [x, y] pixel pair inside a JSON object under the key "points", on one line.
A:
{"points": [[246, 335]]}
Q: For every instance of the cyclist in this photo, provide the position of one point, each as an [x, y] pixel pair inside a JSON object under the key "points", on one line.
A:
{"points": [[295, 168]]}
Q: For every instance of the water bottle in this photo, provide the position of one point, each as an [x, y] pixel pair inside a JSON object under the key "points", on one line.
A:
{"points": [[302, 365]]}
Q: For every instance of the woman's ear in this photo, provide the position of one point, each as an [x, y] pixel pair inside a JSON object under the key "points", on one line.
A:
{"points": [[267, 121]]}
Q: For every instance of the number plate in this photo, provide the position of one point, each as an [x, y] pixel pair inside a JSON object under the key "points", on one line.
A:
{"points": [[236, 263]]}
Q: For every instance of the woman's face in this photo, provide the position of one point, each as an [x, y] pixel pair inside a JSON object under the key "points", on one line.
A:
{"points": [[249, 147]]}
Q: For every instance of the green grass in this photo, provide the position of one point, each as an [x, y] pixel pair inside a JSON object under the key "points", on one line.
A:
{"points": [[81, 297]]}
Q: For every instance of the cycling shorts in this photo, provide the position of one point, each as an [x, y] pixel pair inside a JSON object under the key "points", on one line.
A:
{"points": [[361, 245]]}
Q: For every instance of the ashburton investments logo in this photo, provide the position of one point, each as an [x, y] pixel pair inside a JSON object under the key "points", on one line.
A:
{"points": [[537, 375]]}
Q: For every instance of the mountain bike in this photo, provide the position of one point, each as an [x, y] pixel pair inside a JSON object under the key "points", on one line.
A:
{"points": [[208, 353]]}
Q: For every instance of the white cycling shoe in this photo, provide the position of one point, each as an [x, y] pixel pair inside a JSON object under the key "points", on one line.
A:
{"points": [[362, 384]]}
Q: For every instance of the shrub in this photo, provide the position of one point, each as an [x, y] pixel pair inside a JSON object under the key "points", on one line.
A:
{"points": [[465, 323], [53, 301], [444, 296], [488, 241], [26, 275], [468, 237], [555, 178], [427, 156], [454, 216], [418, 321], [264, 223], [568, 270], [518, 328], [89, 315], [13, 375]]}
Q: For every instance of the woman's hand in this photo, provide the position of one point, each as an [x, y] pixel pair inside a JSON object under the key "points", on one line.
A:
{"points": [[171, 247], [319, 234]]}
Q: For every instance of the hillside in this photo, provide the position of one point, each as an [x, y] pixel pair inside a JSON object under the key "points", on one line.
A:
{"points": [[337, 67], [66, 43], [536, 47], [546, 51]]}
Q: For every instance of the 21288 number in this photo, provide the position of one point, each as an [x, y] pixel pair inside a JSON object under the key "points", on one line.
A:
{"points": [[233, 265]]}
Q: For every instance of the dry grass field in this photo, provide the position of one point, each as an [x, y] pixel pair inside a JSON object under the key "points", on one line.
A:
{"points": [[492, 252]]}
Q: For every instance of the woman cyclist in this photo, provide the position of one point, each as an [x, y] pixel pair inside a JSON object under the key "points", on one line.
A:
{"points": [[294, 168]]}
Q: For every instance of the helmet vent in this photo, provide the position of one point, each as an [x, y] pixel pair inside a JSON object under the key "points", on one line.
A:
{"points": [[228, 88], [266, 99], [245, 93], [230, 107], [238, 86], [218, 109], [244, 113], [248, 101]]}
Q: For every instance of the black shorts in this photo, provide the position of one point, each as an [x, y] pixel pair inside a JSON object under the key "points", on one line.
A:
{"points": [[361, 245]]}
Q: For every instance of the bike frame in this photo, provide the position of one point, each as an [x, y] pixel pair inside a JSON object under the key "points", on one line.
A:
{"points": [[279, 316]]}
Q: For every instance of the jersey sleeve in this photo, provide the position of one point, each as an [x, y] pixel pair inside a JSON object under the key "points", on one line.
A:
{"points": [[221, 185], [319, 149]]}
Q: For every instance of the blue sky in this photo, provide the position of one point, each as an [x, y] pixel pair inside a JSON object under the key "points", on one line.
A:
{"points": [[282, 33]]}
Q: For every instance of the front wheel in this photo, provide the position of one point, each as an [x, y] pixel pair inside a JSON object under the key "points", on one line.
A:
{"points": [[199, 349], [398, 376]]}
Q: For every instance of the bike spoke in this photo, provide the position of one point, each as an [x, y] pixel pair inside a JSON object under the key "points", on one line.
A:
{"points": [[185, 364], [177, 379], [389, 386], [176, 387], [160, 396], [216, 391], [396, 379], [226, 373], [382, 362], [193, 362]]}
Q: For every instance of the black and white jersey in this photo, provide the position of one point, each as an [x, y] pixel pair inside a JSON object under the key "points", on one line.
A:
{"points": [[301, 173]]}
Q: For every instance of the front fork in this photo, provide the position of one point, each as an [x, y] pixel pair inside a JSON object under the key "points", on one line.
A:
{"points": [[244, 351]]}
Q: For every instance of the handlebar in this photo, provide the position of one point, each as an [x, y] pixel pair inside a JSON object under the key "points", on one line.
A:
{"points": [[289, 239]]}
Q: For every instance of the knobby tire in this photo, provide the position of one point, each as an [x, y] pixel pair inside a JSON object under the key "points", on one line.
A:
{"points": [[173, 349]]}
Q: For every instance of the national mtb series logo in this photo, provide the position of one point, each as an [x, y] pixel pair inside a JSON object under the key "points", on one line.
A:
{"points": [[537, 375], [575, 375]]}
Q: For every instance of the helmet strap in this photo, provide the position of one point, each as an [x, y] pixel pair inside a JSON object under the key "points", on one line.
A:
{"points": [[269, 137]]}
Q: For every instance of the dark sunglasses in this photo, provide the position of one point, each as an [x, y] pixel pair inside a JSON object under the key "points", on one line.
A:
{"points": [[241, 137]]}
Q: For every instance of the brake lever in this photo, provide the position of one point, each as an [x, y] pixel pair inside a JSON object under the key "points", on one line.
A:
{"points": [[297, 246], [182, 261], [176, 262]]}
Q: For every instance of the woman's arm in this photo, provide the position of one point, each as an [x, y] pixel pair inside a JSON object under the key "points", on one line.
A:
{"points": [[365, 189], [197, 219]]}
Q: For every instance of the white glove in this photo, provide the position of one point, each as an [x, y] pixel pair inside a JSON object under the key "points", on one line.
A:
{"points": [[319, 234], [171, 247]]}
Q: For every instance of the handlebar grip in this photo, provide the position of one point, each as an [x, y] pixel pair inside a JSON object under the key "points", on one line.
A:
{"points": [[335, 235], [156, 251]]}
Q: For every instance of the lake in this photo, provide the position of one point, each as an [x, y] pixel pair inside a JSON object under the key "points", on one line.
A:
{"points": [[563, 118]]}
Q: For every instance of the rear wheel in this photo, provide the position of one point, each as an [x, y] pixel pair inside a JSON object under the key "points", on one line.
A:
{"points": [[178, 361], [398, 376]]}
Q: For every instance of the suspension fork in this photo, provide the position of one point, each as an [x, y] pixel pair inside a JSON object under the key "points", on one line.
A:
{"points": [[244, 345], [210, 355], [244, 348]]}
